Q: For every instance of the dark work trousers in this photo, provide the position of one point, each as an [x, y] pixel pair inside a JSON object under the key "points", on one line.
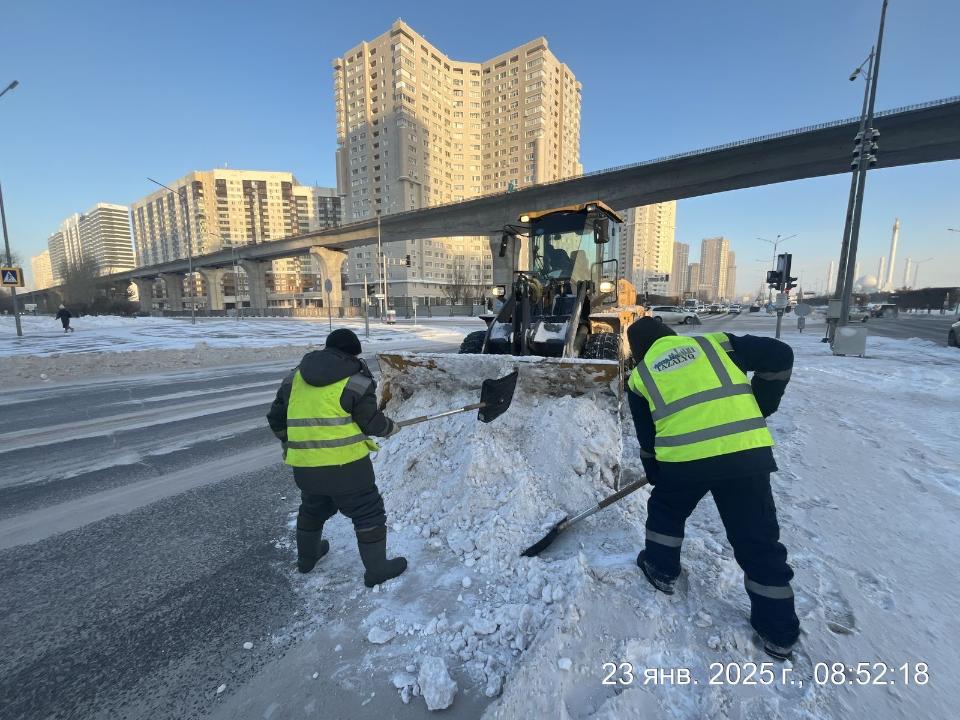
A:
{"points": [[750, 519], [365, 508]]}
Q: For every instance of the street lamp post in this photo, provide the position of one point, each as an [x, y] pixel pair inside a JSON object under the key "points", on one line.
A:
{"points": [[6, 243], [867, 150], [916, 269], [6, 238], [186, 227]]}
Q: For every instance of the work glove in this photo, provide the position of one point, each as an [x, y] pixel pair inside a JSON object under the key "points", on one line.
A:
{"points": [[392, 430]]}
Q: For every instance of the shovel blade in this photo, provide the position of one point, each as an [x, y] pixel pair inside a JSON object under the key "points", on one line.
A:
{"points": [[496, 396]]}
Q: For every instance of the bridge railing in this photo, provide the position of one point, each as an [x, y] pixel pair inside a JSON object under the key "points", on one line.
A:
{"points": [[701, 151]]}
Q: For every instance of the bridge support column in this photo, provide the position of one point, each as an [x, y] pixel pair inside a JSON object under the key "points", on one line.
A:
{"points": [[256, 283], [144, 293], [330, 263], [213, 278], [173, 284]]}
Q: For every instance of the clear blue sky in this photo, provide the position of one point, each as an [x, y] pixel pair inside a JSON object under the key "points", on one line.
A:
{"points": [[114, 91]]}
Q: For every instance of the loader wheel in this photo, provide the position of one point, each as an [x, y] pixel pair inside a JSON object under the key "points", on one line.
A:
{"points": [[473, 343], [602, 346]]}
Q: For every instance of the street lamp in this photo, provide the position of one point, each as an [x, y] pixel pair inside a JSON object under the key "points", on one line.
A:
{"points": [[6, 238], [186, 227], [864, 154], [9, 87]]}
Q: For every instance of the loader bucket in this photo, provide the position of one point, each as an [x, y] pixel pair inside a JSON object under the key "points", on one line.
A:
{"points": [[405, 374]]}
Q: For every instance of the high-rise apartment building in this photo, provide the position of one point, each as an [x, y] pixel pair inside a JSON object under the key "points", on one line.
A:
{"points": [[646, 247], [220, 209], [105, 237], [416, 128], [714, 253], [730, 292], [693, 281], [101, 235], [680, 275], [41, 270], [64, 247]]}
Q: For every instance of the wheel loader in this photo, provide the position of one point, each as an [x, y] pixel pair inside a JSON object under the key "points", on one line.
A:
{"points": [[562, 315]]}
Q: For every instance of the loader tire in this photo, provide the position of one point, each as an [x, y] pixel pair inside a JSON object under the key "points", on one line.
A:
{"points": [[602, 346], [473, 343]]}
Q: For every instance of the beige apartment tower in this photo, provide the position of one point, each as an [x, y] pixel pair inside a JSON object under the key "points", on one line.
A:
{"points": [[679, 278], [730, 293], [646, 247], [100, 235], [416, 128], [714, 255], [222, 209], [41, 270]]}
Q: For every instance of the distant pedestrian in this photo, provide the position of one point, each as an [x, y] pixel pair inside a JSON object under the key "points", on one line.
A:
{"points": [[63, 315]]}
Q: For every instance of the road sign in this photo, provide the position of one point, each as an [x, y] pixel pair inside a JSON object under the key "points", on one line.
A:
{"points": [[11, 276], [803, 309], [781, 301], [328, 285]]}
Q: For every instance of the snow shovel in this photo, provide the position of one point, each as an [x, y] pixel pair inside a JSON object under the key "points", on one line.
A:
{"points": [[542, 544], [495, 398]]}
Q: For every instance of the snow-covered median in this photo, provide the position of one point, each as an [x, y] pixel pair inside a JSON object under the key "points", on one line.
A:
{"points": [[868, 495], [109, 345]]}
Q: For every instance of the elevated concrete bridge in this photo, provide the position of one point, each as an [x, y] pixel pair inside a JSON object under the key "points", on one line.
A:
{"points": [[923, 133]]}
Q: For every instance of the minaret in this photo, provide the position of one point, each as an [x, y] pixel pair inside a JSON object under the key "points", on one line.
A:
{"points": [[906, 273], [881, 284], [830, 276], [888, 283]]}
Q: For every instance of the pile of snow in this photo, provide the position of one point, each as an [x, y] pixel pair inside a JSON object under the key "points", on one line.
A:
{"points": [[480, 493]]}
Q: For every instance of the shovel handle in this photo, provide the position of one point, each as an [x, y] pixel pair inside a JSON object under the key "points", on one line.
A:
{"points": [[424, 418], [622, 493]]}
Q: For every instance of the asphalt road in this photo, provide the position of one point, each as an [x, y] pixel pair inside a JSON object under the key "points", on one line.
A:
{"points": [[145, 536]]}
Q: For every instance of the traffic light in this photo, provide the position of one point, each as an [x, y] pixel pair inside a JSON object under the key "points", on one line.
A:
{"points": [[371, 289], [865, 147], [774, 279], [790, 284], [408, 261]]}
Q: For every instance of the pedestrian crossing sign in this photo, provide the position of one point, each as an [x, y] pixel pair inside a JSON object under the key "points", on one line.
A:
{"points": [[11, 276]]}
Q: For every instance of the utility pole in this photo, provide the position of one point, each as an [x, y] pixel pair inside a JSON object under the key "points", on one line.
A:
{"points": [[6, 243], [366, 307], [866, 158], [773, 266]]}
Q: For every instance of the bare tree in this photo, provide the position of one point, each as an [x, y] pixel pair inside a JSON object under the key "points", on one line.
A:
{"points": [[459, 287], [80, 280]]}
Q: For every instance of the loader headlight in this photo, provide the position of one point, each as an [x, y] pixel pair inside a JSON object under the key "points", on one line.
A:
{"points": [[606, 286], [499, 291]]}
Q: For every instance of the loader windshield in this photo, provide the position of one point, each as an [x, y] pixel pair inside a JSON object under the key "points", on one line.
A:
{"points": [[563, 247]]}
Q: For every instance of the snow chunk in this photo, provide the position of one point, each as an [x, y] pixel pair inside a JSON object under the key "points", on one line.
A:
{"points": [[221, 688], [248, 646], [338, 648], [379, 635], [436, 685], [564, 663], [466, 582]]}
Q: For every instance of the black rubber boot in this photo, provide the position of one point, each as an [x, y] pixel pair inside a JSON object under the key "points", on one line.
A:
{"points": [[660, 581], [777, 652], [372, 543], [310, 548]]}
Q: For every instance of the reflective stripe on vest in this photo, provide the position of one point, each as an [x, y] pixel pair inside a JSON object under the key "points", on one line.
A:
{"points": [[701, 402], [319, 431]]}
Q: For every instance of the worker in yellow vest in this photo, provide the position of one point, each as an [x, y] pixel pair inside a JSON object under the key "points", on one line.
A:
{"points": [[324, 413], [701, 427]]}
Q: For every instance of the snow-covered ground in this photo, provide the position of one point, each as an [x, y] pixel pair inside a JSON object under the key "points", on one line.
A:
{"points": [[108, 345], [868, 495]]}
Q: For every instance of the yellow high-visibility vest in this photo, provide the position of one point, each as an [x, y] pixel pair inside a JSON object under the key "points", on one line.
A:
{"points": [[701, 402], [319, 431]]}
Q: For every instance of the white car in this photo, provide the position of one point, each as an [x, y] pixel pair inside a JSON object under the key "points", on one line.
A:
{"points": [[735, 309], [673, 314]]}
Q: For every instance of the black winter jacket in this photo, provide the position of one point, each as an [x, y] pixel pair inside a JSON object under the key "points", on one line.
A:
{"points": [[771, 362], [63, 315], [325, 367]]}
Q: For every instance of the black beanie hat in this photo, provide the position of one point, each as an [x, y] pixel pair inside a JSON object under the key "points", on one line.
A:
{"points": [[644, 333], [345, 341]]}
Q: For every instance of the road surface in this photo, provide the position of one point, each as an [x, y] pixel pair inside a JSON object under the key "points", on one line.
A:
{"points": [[145, 536]]}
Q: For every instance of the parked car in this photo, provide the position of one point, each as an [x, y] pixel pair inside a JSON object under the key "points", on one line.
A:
{"points": [[859, 314], [884, 310], [754, 308], [673, 314], [953, 336], [734, 309]]}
